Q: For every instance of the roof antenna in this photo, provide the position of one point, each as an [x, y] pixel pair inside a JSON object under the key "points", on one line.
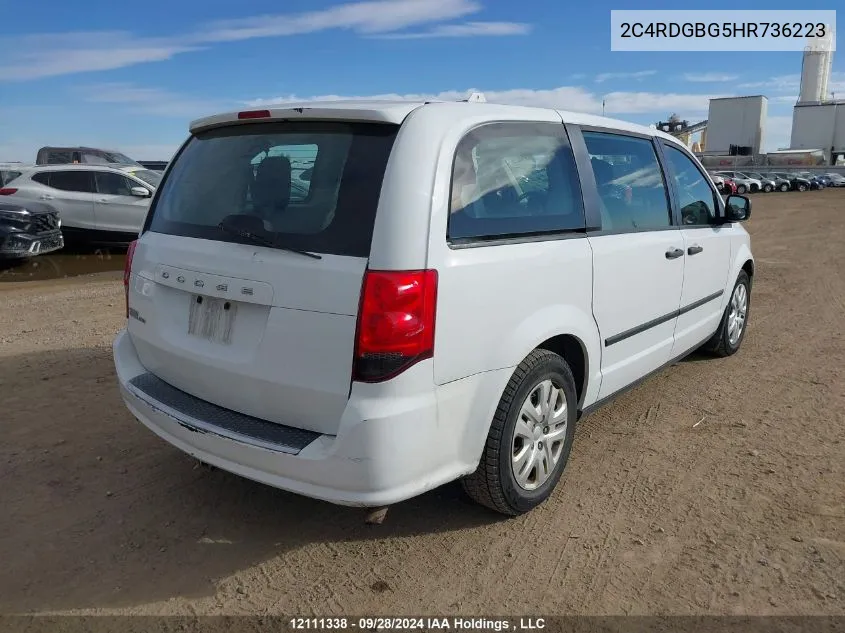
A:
{"points": [[476, 97]]}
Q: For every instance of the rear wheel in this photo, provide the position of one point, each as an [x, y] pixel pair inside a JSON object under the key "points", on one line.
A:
{"points": [[802, 187], [741, 189], [767, 188], [731, 332], [530, 437]]}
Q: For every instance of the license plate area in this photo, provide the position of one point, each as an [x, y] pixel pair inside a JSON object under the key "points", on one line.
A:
{"points": [[211, 318]]}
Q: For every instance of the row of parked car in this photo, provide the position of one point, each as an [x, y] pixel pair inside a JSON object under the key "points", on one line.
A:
{"points": [[42, 206], [743, 182]]}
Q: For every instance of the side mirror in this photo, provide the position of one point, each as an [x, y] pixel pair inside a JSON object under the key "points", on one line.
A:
{"points": [[737, 208], [141, 192]]}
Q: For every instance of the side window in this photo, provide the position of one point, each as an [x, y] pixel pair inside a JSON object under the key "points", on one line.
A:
{"points": [[512, 179], [78, 181], [59, 157], [113, 184], [695, 197], [90, 158], [630, 182], [8, 176], [301, 159], [43, 178]]}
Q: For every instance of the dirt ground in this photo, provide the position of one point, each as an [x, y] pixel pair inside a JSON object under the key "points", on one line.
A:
{"points": [[717, 487]]}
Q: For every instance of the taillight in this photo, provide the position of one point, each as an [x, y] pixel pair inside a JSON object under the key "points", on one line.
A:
{"points": [[395, 322], [127, 271], [8, 191]]}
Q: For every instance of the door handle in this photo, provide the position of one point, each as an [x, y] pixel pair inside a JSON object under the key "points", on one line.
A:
{"points": [[103, 200], [674, 253], [695, 249], [46, 197]]}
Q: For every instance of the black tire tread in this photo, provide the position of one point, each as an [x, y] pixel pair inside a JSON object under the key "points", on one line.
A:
{"points": [[718, 344], [484, 486]]}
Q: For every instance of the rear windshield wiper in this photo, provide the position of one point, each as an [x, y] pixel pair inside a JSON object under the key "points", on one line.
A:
{"points": [[258, 239]]}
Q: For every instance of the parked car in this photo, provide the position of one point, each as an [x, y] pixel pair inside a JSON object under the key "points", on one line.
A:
{"points": [[781, 183], [81, 155], [354, 346], [97, 203], [744, 184], [836, 180], [815, 181], [729, 187], [28, 229], [797, 182], [723, 184], [766, 184]]}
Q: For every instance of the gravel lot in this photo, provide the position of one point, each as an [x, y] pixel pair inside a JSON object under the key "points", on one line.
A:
{"points": [[716, 487]]}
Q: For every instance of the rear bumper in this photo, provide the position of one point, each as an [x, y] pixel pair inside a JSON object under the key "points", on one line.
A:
{"points": [[389, 449]]}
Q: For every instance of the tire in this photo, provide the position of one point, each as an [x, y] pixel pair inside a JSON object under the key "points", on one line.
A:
{"points": [[721, 343], [784, 187], [494, 483], [741, 189], [767, 188], [802, 187]]}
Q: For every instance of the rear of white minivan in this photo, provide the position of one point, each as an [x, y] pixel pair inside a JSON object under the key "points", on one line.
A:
{"points": [[257, 338]]}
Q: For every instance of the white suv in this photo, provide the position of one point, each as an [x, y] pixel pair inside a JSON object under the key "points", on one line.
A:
{"points": [[442, 295], [103, 203]]}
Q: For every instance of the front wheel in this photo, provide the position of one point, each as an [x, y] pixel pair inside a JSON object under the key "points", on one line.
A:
{"points": [[530, 437], [767, 188], [784, 187], [731, 332], [741, 189], [802, 187]]}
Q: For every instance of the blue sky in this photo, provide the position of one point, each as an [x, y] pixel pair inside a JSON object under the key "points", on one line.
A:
{"points": [[131, 76]]}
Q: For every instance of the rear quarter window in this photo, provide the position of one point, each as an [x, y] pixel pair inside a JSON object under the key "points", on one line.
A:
{"points": [[314, 185], [513, 180]]}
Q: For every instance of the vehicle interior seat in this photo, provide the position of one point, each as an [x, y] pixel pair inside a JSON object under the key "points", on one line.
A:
{"points": [[271, 187]]}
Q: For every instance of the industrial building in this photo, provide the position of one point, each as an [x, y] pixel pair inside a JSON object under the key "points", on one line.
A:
{"points": [[736, 125], [818, 120], [734, 132]]}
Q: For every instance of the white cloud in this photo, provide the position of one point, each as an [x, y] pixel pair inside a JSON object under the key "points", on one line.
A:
{"points": [[573, 98], [468, 29], [792, 84], [48, 55], [709, 77], [153, 101], [778, 83], [601, 78], [377, 16]]}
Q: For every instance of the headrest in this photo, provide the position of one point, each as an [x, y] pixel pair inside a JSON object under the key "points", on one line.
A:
{"points": [[272, 183], [602, 170]]}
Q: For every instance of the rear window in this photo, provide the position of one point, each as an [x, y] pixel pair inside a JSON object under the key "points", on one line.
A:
{"points": [[314, 185]]}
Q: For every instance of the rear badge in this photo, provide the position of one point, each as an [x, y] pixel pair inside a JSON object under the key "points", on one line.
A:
{"points": [[246, 291]]}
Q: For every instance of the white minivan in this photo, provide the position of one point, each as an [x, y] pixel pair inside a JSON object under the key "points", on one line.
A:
{"points": [[361, 301]]}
